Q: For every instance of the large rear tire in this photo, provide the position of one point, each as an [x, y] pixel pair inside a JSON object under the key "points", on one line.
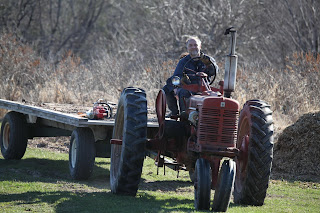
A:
{"points": [[202, 184], [14, 136], [255, 141], [81, 154], [130, 127], [224, 186]]}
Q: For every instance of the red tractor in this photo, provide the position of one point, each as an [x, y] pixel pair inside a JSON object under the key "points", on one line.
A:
{"points": [[223, 148]]}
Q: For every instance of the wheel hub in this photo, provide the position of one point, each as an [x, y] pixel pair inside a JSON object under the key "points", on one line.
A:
{"points": [[161, 111], [243, 155], [73, 153], [6, 136], [242, 161]]}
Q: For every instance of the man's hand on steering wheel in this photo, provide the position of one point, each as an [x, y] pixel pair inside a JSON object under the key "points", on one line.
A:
{"points": [[185, 80]]}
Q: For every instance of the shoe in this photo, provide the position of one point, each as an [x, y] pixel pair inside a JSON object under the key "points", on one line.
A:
{"points": [[184, 115], [170, 114]]}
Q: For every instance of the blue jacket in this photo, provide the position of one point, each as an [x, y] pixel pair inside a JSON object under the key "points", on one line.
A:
{"points": [[190, 67]]}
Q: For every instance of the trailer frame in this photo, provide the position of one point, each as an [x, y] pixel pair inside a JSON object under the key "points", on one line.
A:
{"points": [[43, 122]]}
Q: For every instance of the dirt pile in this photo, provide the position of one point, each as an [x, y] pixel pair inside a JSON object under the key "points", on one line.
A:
{"points": [[297, 151]]}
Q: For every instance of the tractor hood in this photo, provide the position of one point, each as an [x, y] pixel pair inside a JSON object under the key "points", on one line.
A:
{"points": [[218, 120], [198, 102]]}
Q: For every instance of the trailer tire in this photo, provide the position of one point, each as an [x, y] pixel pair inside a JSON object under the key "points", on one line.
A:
{"points": [[255, 142], [14, 136], [224, 186], [192, 176], [81, 153], [130, 127]]}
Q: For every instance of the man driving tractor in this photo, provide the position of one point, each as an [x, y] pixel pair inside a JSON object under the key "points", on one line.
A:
{"points": [[186, 70]]}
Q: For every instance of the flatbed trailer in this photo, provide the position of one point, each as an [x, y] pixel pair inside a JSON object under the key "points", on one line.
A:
{"points": [[89, 138]]}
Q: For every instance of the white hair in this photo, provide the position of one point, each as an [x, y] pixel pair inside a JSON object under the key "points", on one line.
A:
{"points": [[196, 38]]}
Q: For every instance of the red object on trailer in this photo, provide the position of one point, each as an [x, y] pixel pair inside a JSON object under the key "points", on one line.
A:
{"points": [[101, 110]]}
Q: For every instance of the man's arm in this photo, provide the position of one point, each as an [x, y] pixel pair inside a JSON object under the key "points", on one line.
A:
{"points": [[179, 68], [177, 72]]}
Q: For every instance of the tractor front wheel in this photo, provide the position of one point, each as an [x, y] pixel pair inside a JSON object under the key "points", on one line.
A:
{"points": [[131, 128], [224, 186], [202, 184], [255, 142]]}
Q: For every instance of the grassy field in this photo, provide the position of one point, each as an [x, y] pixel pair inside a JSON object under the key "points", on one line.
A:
{"points": [[40, 182]]}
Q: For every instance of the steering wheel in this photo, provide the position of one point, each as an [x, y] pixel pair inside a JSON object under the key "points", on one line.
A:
{"points": [[211, 78]]}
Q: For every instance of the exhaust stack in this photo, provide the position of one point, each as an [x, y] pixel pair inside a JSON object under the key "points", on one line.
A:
{"points": [[230, 65]]}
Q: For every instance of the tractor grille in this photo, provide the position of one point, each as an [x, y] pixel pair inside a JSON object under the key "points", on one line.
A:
{"points": [[218, 126]]}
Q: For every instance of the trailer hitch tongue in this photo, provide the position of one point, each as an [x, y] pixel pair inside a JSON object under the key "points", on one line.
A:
{"points": [[116, 141]]}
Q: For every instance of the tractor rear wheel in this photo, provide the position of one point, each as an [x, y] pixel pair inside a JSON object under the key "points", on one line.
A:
{"points": [[224, 186], [130, 127], [255, 142], [202, 184], [14, 136]]}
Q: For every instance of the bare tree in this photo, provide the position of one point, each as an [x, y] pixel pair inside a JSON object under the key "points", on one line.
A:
{"points": [[141, 30], [54, 25], [294, 27]]}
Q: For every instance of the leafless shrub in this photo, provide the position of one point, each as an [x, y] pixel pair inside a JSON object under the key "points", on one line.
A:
{"points": [[21, 69]]}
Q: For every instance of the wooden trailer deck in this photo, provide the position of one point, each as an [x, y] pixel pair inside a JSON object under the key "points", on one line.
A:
{"points": [[54, 115], [89, 138]]}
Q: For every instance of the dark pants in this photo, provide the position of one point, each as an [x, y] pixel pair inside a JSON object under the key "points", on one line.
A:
{"points": [[172, 101]]}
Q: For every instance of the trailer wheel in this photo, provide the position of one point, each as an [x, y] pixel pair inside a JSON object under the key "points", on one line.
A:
{"points": [[202, 185], [224, 186], [192, 176], [81, 153], [255, 142], [14, 136], [130, 127]]}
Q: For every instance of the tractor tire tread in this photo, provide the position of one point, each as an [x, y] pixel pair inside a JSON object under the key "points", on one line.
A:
{"points": [[260, 155], [127, 178]]}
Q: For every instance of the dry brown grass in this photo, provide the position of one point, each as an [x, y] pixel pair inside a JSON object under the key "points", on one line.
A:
{"points": [[291, 92]]}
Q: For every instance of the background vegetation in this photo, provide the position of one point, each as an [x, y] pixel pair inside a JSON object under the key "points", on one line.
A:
{"points": [[78, 51]]}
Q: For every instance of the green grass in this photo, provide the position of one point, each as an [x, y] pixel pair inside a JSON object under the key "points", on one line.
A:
{"points": [[40, 182]]}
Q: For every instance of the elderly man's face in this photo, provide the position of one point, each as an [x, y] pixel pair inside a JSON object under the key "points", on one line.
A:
{"points": [[193, 48]]}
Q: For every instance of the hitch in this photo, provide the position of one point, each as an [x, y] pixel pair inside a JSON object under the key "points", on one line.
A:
{"points": [[162, 161]]}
